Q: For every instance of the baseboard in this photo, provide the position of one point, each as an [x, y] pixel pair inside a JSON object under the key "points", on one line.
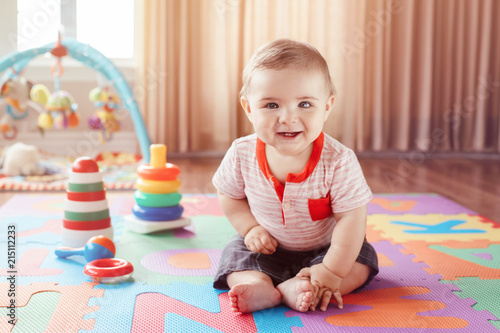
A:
{"points": [[423, 155]]}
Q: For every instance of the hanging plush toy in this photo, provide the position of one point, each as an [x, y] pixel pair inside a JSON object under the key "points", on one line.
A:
{"points": [[60, 108], [15, 93], [105, 118]]}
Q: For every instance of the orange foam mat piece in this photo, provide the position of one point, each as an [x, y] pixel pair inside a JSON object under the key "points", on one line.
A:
{"points": [[390, 310], [401, 206], [68, 315], [373, 235]]}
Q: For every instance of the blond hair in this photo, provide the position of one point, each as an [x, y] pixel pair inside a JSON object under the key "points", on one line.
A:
{"points": [[283, 53]]}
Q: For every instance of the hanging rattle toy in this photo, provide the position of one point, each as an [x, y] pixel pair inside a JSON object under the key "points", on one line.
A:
{"points": [[105, 118], [60, 108]]}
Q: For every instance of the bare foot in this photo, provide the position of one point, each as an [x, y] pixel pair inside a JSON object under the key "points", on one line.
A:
{"points": [[253, 296], [297, 293]]}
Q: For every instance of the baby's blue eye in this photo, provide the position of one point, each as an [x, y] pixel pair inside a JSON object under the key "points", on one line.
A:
{"points": [[272, 106], [304, 105]]}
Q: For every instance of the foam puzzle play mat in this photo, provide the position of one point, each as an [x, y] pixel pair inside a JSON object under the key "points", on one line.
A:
{"points": [[439, 272]]}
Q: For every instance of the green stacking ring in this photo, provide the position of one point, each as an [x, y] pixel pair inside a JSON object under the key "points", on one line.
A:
{"points": [[92, 216], [157, 200], [94, 187]]}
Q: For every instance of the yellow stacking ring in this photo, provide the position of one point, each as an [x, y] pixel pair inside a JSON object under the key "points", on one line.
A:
{"points": [[157, 187]]}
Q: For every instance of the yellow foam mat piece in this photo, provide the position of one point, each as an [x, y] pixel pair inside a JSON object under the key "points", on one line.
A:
{"points": [[433, 227]]}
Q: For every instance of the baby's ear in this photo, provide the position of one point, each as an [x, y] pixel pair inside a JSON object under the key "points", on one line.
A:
{"points": [[329, 105], [329, 102], [246, 107]]}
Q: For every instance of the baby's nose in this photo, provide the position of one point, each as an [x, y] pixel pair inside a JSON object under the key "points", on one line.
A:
{"points": [[287, 115]]}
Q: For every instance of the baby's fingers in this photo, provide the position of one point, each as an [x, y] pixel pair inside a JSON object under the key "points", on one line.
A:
{"points": [[305, 272], [318, 296], [338, 298], [261, 248], [269, 244], [325, 300]]}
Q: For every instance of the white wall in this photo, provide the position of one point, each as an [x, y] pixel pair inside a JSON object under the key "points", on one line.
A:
{"points": [[8, 21]]}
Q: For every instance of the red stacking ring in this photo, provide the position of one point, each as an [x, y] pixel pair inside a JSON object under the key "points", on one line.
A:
{"points": [[86, 196], [87, 225], [108, 267]]}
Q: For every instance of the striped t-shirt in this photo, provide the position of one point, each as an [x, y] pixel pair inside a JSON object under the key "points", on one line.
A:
{"points": [[299, 214]]}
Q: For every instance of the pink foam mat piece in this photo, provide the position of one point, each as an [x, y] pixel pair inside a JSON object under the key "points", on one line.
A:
{"points": [[150, 310], [207, 204]]}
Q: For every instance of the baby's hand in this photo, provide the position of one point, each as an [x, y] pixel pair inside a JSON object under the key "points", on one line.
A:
{"points": [[259, 240], [326, 284]]}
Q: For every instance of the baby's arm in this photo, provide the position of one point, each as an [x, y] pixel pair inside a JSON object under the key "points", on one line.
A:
{"points": [[347, 239], [257, 239]]}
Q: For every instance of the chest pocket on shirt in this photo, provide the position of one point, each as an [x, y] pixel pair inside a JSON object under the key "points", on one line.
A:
{"points": [[319, 209]]}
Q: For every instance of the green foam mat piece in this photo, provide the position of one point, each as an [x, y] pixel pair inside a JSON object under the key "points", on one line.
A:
{"points": [[480, 291], [209, 233], [36, 315], [469, 254]]}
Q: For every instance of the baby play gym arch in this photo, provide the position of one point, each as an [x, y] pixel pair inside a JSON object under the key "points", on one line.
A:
{"points": [[96, 60]]}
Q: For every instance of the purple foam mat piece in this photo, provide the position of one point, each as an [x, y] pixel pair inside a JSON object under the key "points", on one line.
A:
{"points": [[393, 204], [404, 269], [404, 273], [158, 262], [485, 256], [185, 232]]}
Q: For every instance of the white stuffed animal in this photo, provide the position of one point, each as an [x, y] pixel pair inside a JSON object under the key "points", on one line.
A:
{"points": [[20, 159]]}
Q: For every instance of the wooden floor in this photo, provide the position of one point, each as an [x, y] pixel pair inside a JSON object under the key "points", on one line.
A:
{"points": [[472, 183]]}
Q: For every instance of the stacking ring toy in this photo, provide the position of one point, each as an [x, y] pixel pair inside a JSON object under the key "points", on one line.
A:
{"points": [[158, 169], [157, 186], [110, 270], [157, 213], [97, 247], [157, 200]]}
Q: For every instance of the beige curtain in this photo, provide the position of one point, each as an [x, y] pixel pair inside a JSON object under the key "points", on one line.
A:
{"points": [[410, 75], [427, 73]]}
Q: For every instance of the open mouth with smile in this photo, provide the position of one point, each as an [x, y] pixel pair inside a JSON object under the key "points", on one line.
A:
{"points": [[289, 134]]}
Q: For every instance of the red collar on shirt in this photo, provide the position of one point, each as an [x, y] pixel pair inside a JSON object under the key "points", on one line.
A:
{"points": [[291, 177]]}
